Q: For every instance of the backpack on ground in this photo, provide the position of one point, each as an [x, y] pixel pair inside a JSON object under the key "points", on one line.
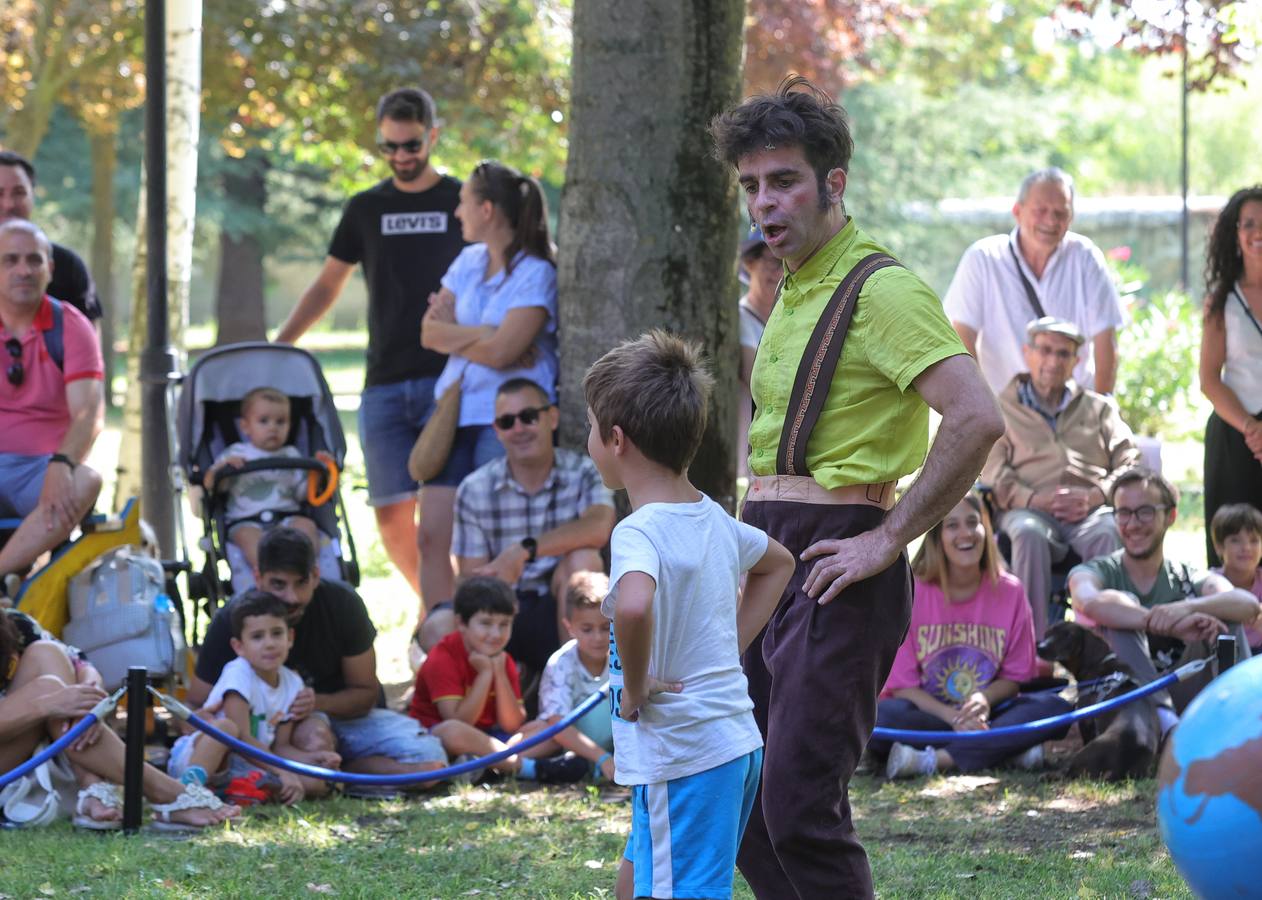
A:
{"points": [[121, 616]]}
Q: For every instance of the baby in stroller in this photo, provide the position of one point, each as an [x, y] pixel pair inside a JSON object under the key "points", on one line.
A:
{"points": [[265, 498]]}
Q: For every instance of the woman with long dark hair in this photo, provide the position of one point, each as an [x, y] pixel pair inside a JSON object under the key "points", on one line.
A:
{"points": [[970, 644], [1231, 358], [496, 317]]}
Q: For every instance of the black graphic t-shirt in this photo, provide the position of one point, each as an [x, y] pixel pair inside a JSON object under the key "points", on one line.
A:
{"points": [[405, 242]]}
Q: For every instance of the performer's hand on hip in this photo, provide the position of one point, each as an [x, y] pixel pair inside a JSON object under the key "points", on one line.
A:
{"points": [[843, 562]]}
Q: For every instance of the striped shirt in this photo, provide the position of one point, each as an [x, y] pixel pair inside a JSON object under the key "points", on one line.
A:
{"points": [[494, 512]]}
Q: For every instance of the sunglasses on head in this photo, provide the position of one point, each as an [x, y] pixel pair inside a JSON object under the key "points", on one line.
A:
{"points": [[15, 372], [389, 148], [528, 416]]}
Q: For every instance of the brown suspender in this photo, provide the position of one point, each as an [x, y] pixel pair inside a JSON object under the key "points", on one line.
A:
{"points": [[819, 362]]}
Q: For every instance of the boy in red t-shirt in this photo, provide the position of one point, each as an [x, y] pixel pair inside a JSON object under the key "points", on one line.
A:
{"points": [[468, 693]]}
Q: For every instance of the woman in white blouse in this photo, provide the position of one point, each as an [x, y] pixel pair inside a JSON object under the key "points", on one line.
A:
{"points": [[496, 317], [1231, 358]]}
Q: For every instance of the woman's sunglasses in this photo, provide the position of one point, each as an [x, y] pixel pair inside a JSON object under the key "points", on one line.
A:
{"points": [[528, 416]]}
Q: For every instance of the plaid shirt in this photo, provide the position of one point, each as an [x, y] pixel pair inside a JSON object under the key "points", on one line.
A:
{"points": [[494, 512]]}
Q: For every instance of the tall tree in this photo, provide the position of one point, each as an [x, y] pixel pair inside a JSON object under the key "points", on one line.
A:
{"points": [[648, 218]]}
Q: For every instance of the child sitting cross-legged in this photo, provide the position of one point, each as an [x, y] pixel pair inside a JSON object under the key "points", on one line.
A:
{"points": [[578, 668], [468, 693], [253, 695]]}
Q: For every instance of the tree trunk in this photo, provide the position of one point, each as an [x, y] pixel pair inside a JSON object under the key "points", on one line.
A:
{"points": [[648, 225], [239, 306], [104, 151], [127, 473]]}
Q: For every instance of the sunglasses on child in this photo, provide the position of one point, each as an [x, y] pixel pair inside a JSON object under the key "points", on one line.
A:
{"points": [[16, 374], [528, 416], [389, 148]]}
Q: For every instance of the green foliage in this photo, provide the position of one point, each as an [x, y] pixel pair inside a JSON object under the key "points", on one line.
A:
{"points": [[1156, 375]]}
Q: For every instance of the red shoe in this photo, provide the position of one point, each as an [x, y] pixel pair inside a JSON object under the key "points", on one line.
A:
{"points": [[247, 790]]}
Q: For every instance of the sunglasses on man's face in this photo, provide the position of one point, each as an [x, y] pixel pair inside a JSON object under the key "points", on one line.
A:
{"points": [[528, 416], [16, 374], [390, 148]]}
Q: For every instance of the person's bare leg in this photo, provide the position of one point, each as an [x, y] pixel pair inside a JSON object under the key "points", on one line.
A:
{"points": [[397, 526], [436, 575], [437, 625], [539, 751], [34, 536], [247, 538], [625, 888], [461, 737]]}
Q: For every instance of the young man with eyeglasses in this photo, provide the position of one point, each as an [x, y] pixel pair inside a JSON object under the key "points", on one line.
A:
{"points": [[532, 518], [1154, 611], [404, 232], [1051, 472], [50, 415]]}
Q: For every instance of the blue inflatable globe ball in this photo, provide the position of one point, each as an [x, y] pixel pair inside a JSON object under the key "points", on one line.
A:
{"points": [[1209, 794]]}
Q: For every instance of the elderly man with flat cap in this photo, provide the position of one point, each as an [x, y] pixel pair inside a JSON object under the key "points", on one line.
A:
{"points": [[1051, 472]]}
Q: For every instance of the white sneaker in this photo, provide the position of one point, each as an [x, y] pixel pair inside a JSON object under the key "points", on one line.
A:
{"points": [[908, 762], [1031, 760]]}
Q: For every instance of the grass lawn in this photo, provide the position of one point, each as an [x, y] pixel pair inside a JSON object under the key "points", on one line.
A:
{"points": [[1003, 835]]}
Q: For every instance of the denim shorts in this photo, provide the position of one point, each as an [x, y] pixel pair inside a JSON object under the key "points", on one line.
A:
{"points": [[21, 480], [474, 446], [390, 418], [384, 732]]}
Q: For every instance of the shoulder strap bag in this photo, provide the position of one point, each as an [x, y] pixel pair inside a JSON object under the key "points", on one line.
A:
{"points": [[819, 362], [1025, 282]]}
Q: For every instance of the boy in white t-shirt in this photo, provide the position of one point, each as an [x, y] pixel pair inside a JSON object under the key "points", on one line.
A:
{"points": [[260, 500], [683, 726], [578, 668], [253, 694]]}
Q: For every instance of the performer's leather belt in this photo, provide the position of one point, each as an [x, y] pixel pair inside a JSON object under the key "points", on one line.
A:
{"points": [[804, 489]]}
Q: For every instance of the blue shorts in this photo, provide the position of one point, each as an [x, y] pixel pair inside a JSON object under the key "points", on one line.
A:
{"points": [[390, 419], [384, 732], [685, 832], [473, 447], [21, 480]]}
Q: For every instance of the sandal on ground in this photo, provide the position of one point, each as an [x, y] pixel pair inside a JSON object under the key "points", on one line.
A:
{"points": [[107, 795], [194, 796]]}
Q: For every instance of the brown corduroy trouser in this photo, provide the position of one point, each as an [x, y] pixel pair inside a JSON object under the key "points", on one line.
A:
{"points": [[814, 674]]}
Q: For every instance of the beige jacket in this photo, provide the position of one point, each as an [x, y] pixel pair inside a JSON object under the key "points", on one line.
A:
{"points": [[1090, 447]]}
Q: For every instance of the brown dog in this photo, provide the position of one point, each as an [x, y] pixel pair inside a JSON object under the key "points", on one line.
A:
{"points": [[1118, 744]]}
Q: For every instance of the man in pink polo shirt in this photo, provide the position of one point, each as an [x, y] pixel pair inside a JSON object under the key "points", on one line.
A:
{"points": [[50, 414]]}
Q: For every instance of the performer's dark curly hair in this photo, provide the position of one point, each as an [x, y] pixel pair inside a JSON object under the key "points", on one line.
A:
{"points": [[1223, 264]]}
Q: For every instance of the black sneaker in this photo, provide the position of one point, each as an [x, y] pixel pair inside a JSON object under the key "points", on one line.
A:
{"points": [[566, 769]]}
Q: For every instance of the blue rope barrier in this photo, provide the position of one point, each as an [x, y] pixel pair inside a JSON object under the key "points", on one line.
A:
{"points": [[289, 765], [102, 708], [1043, 725]]}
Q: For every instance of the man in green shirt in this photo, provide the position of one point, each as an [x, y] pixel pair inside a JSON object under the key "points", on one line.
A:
{"points": [[828, 441], [1143, 603]]}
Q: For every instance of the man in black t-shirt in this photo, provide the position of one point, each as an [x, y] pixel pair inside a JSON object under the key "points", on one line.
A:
{"points": [[333, 652], [405, 234], [72, 282]]}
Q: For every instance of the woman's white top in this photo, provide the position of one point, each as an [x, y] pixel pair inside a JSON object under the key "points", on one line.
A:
{"points": [[1242, 370], [486, 301]]}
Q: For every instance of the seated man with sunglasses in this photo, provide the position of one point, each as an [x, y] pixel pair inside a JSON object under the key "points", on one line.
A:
{"points": [[50, 413], [532, 518], [1154, 612]]}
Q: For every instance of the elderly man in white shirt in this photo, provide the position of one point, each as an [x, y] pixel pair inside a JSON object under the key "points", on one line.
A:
{"points": [[1040, 268]]}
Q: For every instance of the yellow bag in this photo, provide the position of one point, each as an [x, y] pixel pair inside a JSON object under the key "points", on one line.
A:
{"points": [[44, 596], [433, 445]]}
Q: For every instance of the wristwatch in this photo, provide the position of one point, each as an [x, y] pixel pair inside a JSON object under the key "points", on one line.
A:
{"points": [[62, 458], [531, 546]]}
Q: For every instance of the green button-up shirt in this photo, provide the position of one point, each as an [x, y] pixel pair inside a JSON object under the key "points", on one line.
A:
{"points": [[874, 426]]}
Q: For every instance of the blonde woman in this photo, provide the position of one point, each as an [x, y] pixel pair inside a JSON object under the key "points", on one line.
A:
{"points": [[969, 646]]}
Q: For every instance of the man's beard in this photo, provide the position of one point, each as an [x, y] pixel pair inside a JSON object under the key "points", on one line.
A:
{"points": [[413, 170], [1149, 551]]}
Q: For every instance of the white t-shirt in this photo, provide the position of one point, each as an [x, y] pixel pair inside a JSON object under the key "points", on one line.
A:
{"points": [[269, 706], [566, 682], [986, 294], [695, 553], [752, 326], [274, 490], [1242, 367]]}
